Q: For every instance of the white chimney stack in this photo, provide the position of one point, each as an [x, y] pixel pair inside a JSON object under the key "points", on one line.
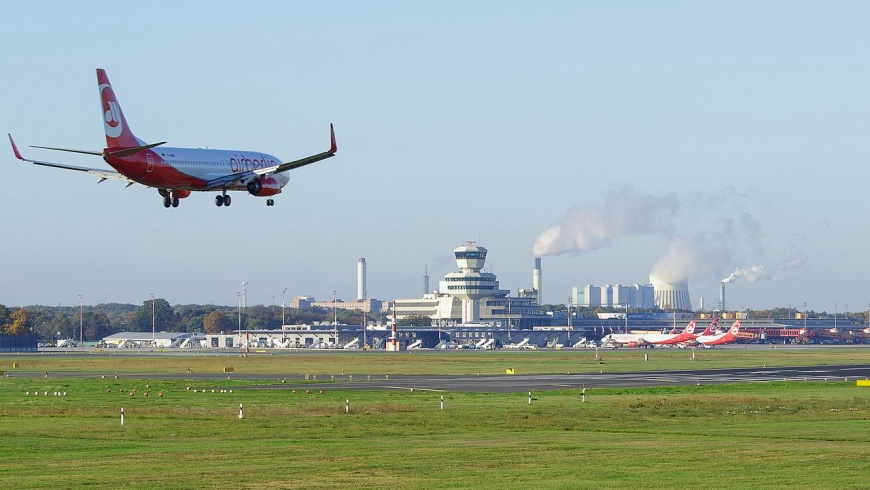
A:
{"points": [[361, 279], [536, 278]]}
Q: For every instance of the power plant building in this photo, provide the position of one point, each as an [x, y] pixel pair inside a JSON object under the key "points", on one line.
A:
{"points": [[615, 295]]}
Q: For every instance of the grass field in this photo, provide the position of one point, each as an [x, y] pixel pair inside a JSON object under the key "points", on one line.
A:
{"points": [[770, 435], [443, 363]]}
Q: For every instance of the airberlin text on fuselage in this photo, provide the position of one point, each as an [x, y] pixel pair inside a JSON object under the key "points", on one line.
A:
{"points": [[244, 164]]}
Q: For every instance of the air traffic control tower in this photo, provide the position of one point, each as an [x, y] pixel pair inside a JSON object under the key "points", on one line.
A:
{"points": [[469, 284]]}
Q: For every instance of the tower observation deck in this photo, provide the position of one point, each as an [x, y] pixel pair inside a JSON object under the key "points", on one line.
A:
{"points": [[470, 284]]}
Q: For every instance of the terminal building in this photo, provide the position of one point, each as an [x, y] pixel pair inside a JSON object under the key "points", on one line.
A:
{"points": [[472, 298]]}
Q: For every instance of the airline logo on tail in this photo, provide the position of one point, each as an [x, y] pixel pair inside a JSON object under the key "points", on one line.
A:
{"points": [[735, 328], [691, 328], [112, 120]]}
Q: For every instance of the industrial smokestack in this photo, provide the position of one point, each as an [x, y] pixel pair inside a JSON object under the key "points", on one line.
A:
{"points": [[361, 279], [536, 278], [722, 296]]}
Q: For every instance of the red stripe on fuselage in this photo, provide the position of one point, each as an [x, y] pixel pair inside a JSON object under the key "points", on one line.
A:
{"points": [[162, 174]]}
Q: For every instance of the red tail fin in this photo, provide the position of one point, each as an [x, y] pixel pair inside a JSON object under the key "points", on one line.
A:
{"points": [[735, 328], [709, 330], [118, 134], [690, 328]]}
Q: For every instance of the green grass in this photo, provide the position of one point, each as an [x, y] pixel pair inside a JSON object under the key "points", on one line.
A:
{"points": [[770, 435], [443, 363]]}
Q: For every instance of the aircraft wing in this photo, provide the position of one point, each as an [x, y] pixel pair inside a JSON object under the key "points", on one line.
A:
{"points": [[102, 174], [283, 167], [228, 180]]}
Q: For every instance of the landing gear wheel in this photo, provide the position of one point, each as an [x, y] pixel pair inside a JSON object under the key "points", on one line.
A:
{"points": [[270, 202], [167, 201], [227, 201], [219, 200], [174, 202]]}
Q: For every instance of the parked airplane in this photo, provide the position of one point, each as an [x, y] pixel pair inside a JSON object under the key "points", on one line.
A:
{"points": [[176, 172], [686, 335], [636, 340], [710, 328], [728, 337]]}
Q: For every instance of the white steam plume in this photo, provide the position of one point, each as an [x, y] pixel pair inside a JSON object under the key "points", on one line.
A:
{"points": [[623, 212], [692, 257], [757, 272]]}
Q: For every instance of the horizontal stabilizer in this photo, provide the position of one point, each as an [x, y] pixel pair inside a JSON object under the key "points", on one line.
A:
{"points": [[136, 149]]}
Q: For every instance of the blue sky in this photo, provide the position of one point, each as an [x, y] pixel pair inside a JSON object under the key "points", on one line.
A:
{"points": [[484, 121]]}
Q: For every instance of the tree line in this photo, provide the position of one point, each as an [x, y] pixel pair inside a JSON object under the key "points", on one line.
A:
{"points": [[101, 320]]}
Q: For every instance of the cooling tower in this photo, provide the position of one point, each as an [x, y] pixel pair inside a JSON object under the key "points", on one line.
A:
{"points": [[671, 296]]}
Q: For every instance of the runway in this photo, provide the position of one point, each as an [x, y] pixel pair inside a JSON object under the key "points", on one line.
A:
{"points": [[507, 383]]}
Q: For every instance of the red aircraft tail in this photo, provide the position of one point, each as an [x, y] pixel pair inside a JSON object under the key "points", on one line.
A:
{"points": [[118, 133]]}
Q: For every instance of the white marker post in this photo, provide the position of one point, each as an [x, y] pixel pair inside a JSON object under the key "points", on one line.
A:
{"points": [[122, 415], [442, 402], [530, 398], [346, 406], [646, 357], [583, 396], [241, 413]]}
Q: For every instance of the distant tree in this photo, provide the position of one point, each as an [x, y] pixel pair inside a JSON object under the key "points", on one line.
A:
{"points": [[4, 315], [164, 318], [97, 326], [19, 323], [415, 320], [217, 322]]}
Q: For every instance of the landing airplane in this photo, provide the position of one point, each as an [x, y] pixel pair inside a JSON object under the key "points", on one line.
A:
{"points": [[637, 340], [728, 337], [176, 172]]}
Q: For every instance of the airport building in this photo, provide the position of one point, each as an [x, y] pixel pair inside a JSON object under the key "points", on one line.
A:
{"points": [[154, 339], [473, 298]]}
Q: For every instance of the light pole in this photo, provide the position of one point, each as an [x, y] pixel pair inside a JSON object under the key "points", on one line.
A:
{"points": [[81, 322], [245, 307], [335, 314], [283, 292], [805, 316], [153, 329], [239, 294], [569, 321], [365, 293], [835, 316]]}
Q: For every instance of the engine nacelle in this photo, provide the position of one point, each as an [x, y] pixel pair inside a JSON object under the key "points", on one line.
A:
{"points": [[264, 186], [255, 187]]}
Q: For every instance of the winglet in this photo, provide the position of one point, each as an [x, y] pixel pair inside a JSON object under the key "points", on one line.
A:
{"points": [[15, 148], [333, 148]]}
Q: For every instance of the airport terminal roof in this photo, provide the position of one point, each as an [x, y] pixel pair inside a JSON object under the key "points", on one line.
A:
{"points": [[145, 336]]}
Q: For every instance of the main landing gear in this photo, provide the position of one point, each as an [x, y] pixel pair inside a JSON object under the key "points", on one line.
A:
{"points": [[169, 198], [270, 202], [222, 200]]}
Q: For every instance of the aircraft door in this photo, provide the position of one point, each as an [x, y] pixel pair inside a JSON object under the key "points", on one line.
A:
{"points": [[150, 162]]}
